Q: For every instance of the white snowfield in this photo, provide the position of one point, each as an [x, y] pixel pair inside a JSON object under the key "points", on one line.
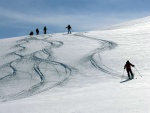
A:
{"points": [[77, 73]]}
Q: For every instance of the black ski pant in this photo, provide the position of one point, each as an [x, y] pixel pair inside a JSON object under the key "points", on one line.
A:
{"points": [[69, 31], [130, 74]]}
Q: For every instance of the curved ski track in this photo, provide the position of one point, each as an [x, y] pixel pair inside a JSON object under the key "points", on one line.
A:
{"points": [[45, 58], [44, 83], [95, 58]]}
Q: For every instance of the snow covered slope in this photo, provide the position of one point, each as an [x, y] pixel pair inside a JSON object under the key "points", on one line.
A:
{"points": [[77, 73]]}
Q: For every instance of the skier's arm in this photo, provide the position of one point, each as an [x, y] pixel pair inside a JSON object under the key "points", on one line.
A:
{"points": [[132, 65], [124, 66]]}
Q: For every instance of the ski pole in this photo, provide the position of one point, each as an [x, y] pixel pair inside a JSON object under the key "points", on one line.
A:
{"points": [[138, 71], [64, 29], [122, 75]]}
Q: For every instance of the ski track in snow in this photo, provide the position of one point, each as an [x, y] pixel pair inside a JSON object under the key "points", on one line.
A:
{"points": [[45, 59], [42, 85], [95, 57]]}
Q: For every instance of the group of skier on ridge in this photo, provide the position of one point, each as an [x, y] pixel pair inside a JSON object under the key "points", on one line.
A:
{"points": [[37, 31], [45, 29]]}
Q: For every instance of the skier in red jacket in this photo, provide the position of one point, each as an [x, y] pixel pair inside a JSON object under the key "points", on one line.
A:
{"points": [[128, 69]]}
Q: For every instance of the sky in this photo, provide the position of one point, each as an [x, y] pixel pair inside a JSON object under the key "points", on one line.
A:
{"points": [[20, 17]]}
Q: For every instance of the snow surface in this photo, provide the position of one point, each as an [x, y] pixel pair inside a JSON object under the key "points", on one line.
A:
{"points": [[77, 73]]}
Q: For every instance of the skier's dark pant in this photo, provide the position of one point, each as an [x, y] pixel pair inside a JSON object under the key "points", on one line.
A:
{"points": [[69, 31], [130, 73]]}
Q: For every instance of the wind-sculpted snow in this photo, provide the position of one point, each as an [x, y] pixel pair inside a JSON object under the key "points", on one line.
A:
{"points": [[32, 72]]}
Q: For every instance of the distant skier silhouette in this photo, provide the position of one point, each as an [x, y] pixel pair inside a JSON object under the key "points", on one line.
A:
{"points": [[69, 29], [37, 31], [31, 33], [128, 69], [45, 29]]}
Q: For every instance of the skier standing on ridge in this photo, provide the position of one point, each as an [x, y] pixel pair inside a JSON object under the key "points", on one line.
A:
{"points": [[128, 69], [37, 31], [31, 33], [45, 30], [69, 29]]}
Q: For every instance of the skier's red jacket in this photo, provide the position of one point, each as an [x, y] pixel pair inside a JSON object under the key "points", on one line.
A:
{"points": [[128, 66]]}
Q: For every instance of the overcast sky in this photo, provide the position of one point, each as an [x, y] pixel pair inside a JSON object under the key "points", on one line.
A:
{"points": [[19, 17]]}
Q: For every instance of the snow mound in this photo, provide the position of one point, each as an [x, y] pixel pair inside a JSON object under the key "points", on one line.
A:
{"points": [[138, 23]]}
